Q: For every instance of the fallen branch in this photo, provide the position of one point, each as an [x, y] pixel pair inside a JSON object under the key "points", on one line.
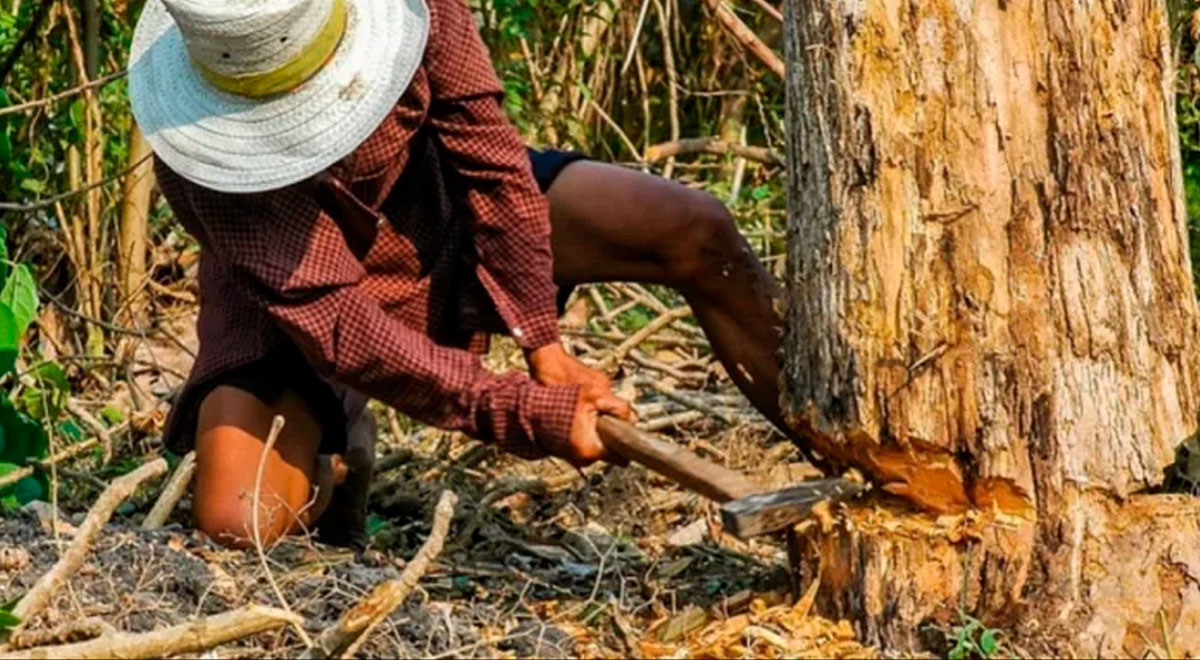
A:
{"points": [[171, 493], [665, 150], [352, 629], [191, 637], [745, 36], [72, 631], [36, 599], [618, 354]]}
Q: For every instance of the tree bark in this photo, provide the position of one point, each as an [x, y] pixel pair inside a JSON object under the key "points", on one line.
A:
{"points": [[992, 310]]}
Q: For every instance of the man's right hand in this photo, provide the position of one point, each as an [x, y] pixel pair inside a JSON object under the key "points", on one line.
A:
{"points": [[584, 445]]}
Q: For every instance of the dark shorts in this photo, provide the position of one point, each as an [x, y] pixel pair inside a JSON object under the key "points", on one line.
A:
{"points": [[333, 405]]}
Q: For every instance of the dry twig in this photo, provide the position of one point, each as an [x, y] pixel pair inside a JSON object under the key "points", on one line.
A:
{"points": [[745, 36], [185, 638], [356, 624], [273, 435], [36, 599], [67, 454], [618, 354], [665, 150], [171, 493]]}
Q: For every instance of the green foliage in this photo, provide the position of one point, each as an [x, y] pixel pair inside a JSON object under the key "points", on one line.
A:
{"points": [[22, 438], [972, 640], [1187, 110]]}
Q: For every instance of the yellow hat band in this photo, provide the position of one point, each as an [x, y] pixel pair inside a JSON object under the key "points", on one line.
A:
{"points": [[296, 71]]}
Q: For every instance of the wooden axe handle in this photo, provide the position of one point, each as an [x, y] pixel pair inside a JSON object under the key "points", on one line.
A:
{"points": [[713, 481]]}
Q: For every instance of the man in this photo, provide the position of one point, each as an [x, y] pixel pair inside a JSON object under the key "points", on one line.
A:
{"points": [[367, 215]]}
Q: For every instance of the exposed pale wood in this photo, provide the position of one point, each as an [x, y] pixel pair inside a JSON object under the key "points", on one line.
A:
{"points": [[713, 481], [176, 486], [38, 596], [356, 623], [990, 297], [190, 637]]}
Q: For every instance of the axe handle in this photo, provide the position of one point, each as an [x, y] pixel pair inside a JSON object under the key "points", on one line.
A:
{"points": [[713, 481]]}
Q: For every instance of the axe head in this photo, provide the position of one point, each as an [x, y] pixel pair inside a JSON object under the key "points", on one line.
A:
{"points": [[763, 513]]}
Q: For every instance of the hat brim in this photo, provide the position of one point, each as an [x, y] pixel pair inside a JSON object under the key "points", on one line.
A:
{"points": [[232, 143]]}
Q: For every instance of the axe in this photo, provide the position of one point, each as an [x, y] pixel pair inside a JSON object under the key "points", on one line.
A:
{"points": [[746, 511]]}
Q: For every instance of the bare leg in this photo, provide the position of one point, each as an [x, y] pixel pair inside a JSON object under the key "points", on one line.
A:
{"points": [[610, 223], [230, 436]]}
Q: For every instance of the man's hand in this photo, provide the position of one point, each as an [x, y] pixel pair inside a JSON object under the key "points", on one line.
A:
{"points": [[552, 365]]}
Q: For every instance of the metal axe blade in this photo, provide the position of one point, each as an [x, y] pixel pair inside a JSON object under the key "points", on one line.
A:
{"points": [[763, 513]]}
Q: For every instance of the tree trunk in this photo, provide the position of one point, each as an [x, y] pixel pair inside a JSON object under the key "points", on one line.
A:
{"points": [[992, 312]]}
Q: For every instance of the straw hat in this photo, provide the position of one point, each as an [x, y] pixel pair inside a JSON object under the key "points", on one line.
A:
{"points": [[251, 95]]}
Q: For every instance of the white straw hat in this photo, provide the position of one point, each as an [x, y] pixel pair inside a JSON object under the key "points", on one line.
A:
{"points": [[252, 95]]}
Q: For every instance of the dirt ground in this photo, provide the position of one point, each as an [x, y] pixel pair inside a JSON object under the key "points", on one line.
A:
{"points": [[543, 560]]}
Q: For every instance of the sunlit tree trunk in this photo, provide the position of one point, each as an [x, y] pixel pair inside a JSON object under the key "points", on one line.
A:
{"points": [[992, 311]]}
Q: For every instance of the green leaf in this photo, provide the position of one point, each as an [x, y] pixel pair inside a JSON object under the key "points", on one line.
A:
{"points": [[71, 429], [8, 620], [988, 643], [28, 490], [112, 415], [9, 340], [24, 438], [34, 186], [8, 494], [20, 295], [3, 254]]}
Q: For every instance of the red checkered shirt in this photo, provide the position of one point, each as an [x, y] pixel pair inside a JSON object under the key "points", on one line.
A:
{"points": [[387, 269]]}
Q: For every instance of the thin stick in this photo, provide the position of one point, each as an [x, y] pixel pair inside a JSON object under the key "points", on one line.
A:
{"points": [[665, 150], [671, 421], [74, 91], [344, 637], [273, 435], [672, 80], [689, 401], [47, 463], [172, 492], [746, 37], [642, 335], [51, 201], [633, 41], [617, 128], [192, 637], [36, 599], [105, 434], [769, 9]]}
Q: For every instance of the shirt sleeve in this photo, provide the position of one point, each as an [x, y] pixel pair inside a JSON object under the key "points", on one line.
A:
{"points": [[509, 215], [292, 257]]}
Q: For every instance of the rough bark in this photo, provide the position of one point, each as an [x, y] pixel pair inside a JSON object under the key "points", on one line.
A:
{"points": [[991, 304]]}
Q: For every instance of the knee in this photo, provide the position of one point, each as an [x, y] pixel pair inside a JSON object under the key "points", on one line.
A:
{"points": [[228, 519], [703, 244]]}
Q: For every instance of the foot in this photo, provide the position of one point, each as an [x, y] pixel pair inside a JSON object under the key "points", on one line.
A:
{"points": [[345, 521]]}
